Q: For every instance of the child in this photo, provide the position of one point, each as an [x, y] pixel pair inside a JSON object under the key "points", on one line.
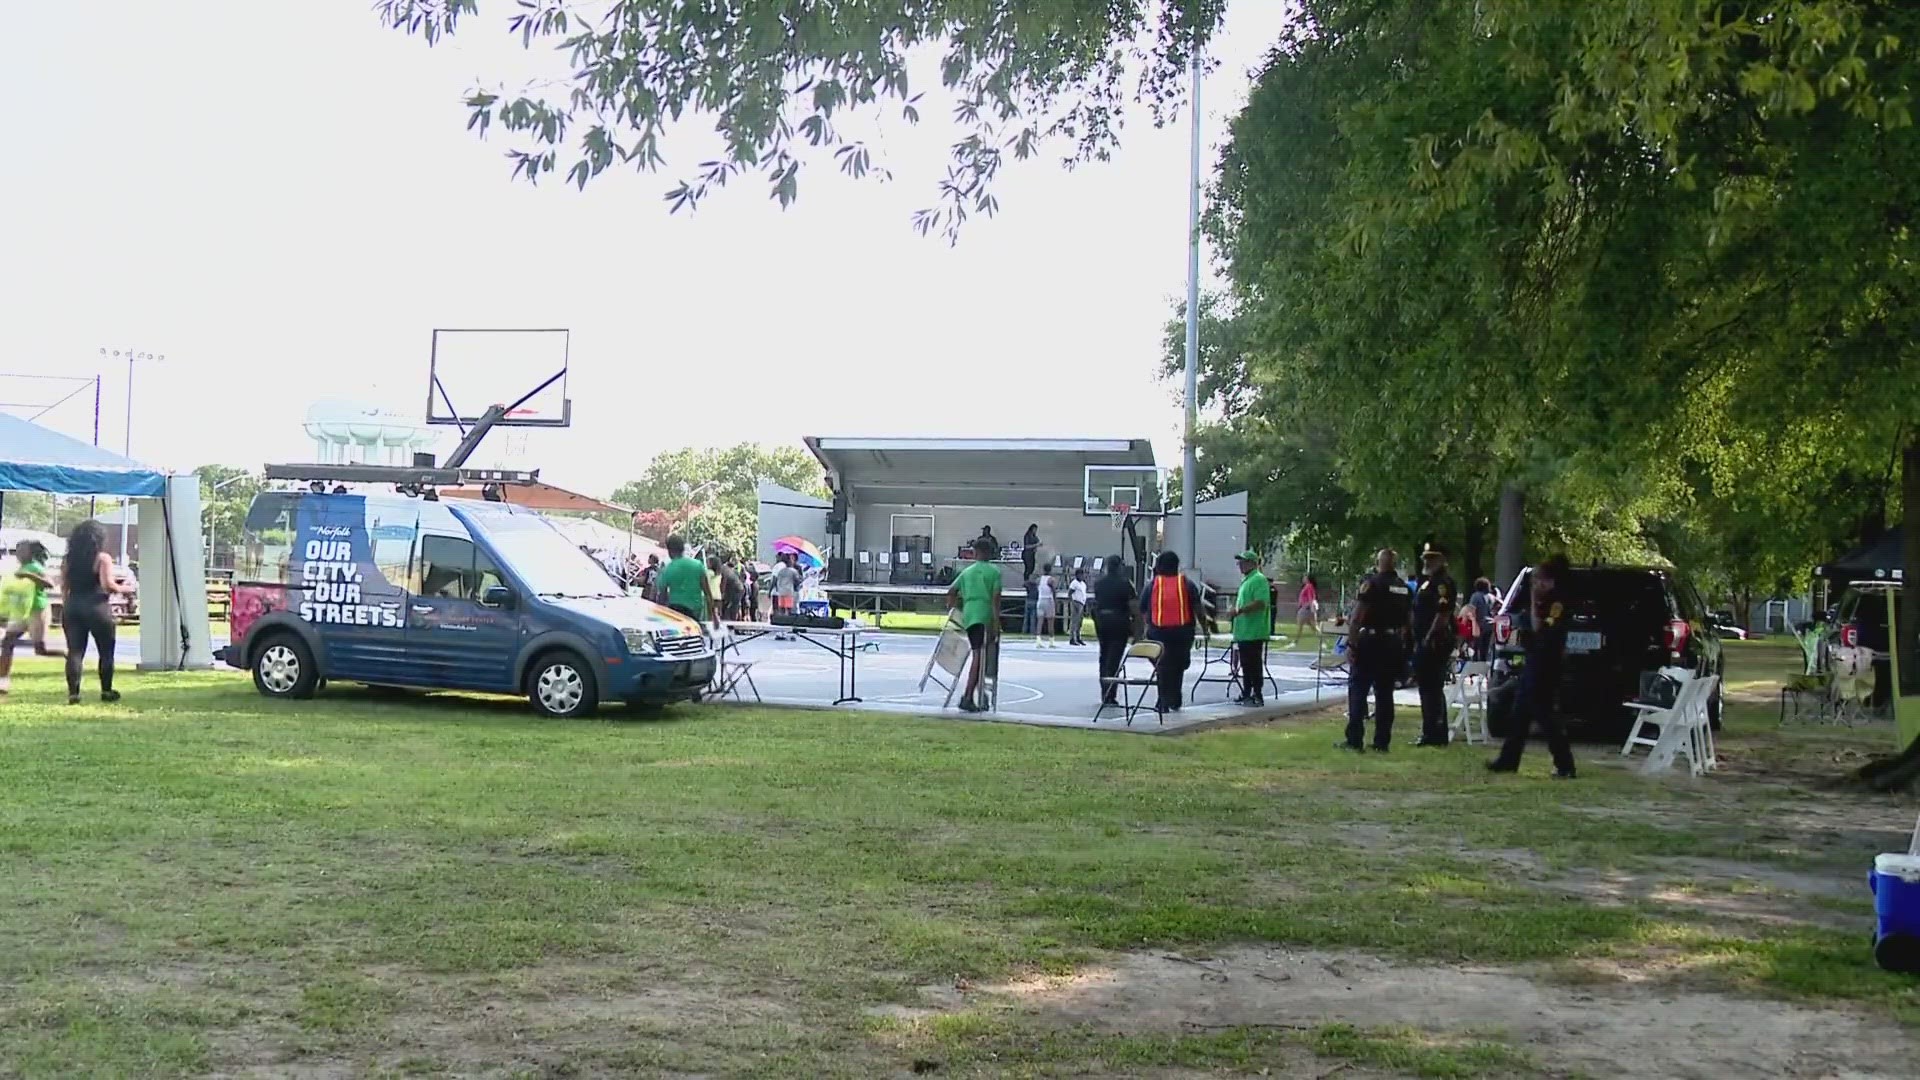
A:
{"points": [[1043, 608], [1076, 605], [24, 599]]}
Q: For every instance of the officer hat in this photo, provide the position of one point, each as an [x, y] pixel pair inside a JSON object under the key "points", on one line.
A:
{"points": [[1433, 549]]}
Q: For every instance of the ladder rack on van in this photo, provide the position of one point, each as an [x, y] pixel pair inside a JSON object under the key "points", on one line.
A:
{"points": [[409, 479]]}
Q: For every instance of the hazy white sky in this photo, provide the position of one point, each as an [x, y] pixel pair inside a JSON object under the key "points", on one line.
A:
{"points": [[282, 199]]}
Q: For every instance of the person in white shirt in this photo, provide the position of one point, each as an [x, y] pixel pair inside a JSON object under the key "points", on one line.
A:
{"points": [[1076, 606], [1044, 608]]}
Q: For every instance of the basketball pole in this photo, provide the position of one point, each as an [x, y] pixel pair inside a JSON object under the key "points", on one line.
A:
{"points": [[1189, 465]]}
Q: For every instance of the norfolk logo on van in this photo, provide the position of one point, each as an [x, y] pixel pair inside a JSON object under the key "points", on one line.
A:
{"points": [[331, 580]]}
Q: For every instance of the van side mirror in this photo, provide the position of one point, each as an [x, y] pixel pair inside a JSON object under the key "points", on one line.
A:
{"points": [[498, 596]]}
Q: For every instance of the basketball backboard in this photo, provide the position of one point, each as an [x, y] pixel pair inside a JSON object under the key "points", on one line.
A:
{"points": [[525, 370], [1138, 487]]}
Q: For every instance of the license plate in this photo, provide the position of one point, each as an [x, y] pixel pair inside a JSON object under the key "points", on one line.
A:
{"points": [[1583, 641]]}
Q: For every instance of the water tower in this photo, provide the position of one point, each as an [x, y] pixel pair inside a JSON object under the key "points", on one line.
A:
{"points": [[350, 433]]}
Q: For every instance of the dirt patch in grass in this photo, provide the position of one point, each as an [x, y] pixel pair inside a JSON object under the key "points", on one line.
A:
{"points": [[1597, 1030]]}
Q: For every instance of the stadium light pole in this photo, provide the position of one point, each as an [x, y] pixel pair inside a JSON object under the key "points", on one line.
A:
{"points": [[1189, 465], [131, 356]]}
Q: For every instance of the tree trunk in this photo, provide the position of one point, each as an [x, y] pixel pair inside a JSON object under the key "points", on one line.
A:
{"points": [[1474, 558], [1511, 551], [1909, 612]]}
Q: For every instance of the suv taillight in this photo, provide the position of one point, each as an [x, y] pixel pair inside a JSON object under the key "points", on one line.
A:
{"points": [[1850, 635], [1503, 629], [1677, 634]]}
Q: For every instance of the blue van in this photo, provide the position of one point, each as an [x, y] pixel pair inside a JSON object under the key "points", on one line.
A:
{"points": [[457, 595]]}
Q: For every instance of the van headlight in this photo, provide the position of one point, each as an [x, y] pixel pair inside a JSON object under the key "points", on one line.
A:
{"points": [[641, 642]]}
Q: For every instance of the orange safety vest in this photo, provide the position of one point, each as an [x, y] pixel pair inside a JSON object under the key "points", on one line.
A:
{"points": [[1168, 604]]}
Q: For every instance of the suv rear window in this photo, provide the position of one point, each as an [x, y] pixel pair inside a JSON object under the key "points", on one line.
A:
{"points": [[1619, 597]]}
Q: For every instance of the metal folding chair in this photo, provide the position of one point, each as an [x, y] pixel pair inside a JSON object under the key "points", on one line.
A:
{"points": [[1121, 682]]}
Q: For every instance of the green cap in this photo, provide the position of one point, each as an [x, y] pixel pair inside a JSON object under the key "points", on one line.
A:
{"points": [[1247, 556]]}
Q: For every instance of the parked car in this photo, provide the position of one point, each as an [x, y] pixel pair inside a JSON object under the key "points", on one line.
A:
{"points": [[1724, 622], [1627, 623], [479, 596]]}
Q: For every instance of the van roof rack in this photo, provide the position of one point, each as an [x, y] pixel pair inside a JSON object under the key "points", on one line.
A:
{"points": [[412, 479]]}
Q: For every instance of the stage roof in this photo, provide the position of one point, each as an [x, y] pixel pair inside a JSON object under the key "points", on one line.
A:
{"points": [[970, 472]]}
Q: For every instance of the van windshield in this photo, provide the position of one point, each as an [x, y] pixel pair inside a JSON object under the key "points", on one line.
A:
{"points": [[546, 562]]}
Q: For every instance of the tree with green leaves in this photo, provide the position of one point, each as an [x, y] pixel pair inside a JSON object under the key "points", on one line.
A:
{"points": [[226, 493], [710, 495], [787, 83]]}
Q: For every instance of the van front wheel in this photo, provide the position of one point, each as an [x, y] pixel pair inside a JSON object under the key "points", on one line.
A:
{"points": [[560, 684], [283, 667]]}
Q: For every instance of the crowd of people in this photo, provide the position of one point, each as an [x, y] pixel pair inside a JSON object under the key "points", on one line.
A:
{"points": [[1426, 625], [1171, 611], [717, 589]]}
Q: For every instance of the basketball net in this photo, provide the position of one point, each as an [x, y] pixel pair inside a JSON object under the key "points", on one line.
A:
{"points": [[1119, 513]]}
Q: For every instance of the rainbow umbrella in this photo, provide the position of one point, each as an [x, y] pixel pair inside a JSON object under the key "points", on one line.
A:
{"points": [[802, 548]]}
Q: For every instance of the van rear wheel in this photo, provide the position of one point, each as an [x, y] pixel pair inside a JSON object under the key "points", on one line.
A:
{"points": [[561, 685], [283, 667]]}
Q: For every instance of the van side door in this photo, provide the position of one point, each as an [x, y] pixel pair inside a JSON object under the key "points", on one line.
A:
{"points": [[353, 560], [460, 642]]}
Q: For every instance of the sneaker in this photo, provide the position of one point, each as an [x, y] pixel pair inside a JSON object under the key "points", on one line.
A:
{"points": [[73, 699], [1563, 774], [1496, 765], [109, 696], [1379, 749], [1440, 743], [967, 705]]}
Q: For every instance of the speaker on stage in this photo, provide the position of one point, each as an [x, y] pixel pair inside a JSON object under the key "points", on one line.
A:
{"points": [[837, 516], [839, 569]]}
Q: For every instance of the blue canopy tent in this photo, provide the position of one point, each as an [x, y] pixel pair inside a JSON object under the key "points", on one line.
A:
{"points": [[34, 458]]}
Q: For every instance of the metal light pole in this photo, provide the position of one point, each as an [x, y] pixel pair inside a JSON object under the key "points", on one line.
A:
{"points": [[130, 356], [1189, 465]]}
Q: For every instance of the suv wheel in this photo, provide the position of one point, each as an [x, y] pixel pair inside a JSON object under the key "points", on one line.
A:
{"points": [[1716, 704], [283, 667], [561, 685]]}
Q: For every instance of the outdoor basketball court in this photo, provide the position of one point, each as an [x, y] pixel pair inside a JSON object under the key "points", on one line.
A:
{"points": [[1046, 687]]}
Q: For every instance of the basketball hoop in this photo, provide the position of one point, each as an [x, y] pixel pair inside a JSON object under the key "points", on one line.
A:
{"points": [[1119, 514]]}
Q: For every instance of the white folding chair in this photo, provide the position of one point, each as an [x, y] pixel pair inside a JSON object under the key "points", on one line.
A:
{"points": [[1701, 720], [1684, 730], [1469, 699], [1655, 715], [1122, 681]]}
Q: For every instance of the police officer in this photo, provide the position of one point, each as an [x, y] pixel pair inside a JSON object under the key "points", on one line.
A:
{"points": [[1377, 651], [1543, 631], [1434, 603]]}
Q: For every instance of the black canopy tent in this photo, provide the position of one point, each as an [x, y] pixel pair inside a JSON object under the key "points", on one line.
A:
{"points": [[1880, 559]]}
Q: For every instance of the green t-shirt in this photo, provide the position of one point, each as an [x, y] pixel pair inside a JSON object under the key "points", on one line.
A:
{"points": [[680, 581], [1252, 625], [979, 588], [39, 593]]}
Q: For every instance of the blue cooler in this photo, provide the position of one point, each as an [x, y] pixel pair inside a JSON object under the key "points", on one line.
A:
{"points": [[1895, 880]]}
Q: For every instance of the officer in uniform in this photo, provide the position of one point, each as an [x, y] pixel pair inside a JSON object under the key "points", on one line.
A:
{"points": [[1434, 603], [1544, 634], [1376, 651]]}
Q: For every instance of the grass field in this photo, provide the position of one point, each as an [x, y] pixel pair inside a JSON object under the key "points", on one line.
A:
{"points": [[200, 881]]}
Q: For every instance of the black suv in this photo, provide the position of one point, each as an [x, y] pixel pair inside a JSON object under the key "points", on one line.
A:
{"points": [[1627, 623]]}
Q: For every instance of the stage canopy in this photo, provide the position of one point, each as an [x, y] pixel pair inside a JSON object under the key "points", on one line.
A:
{"points": [[33, 458], [543, 497], [971, 472]]}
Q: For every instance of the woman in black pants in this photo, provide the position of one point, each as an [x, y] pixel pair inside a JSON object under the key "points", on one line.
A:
{"points": [[1116, 608], [87, 581]]}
